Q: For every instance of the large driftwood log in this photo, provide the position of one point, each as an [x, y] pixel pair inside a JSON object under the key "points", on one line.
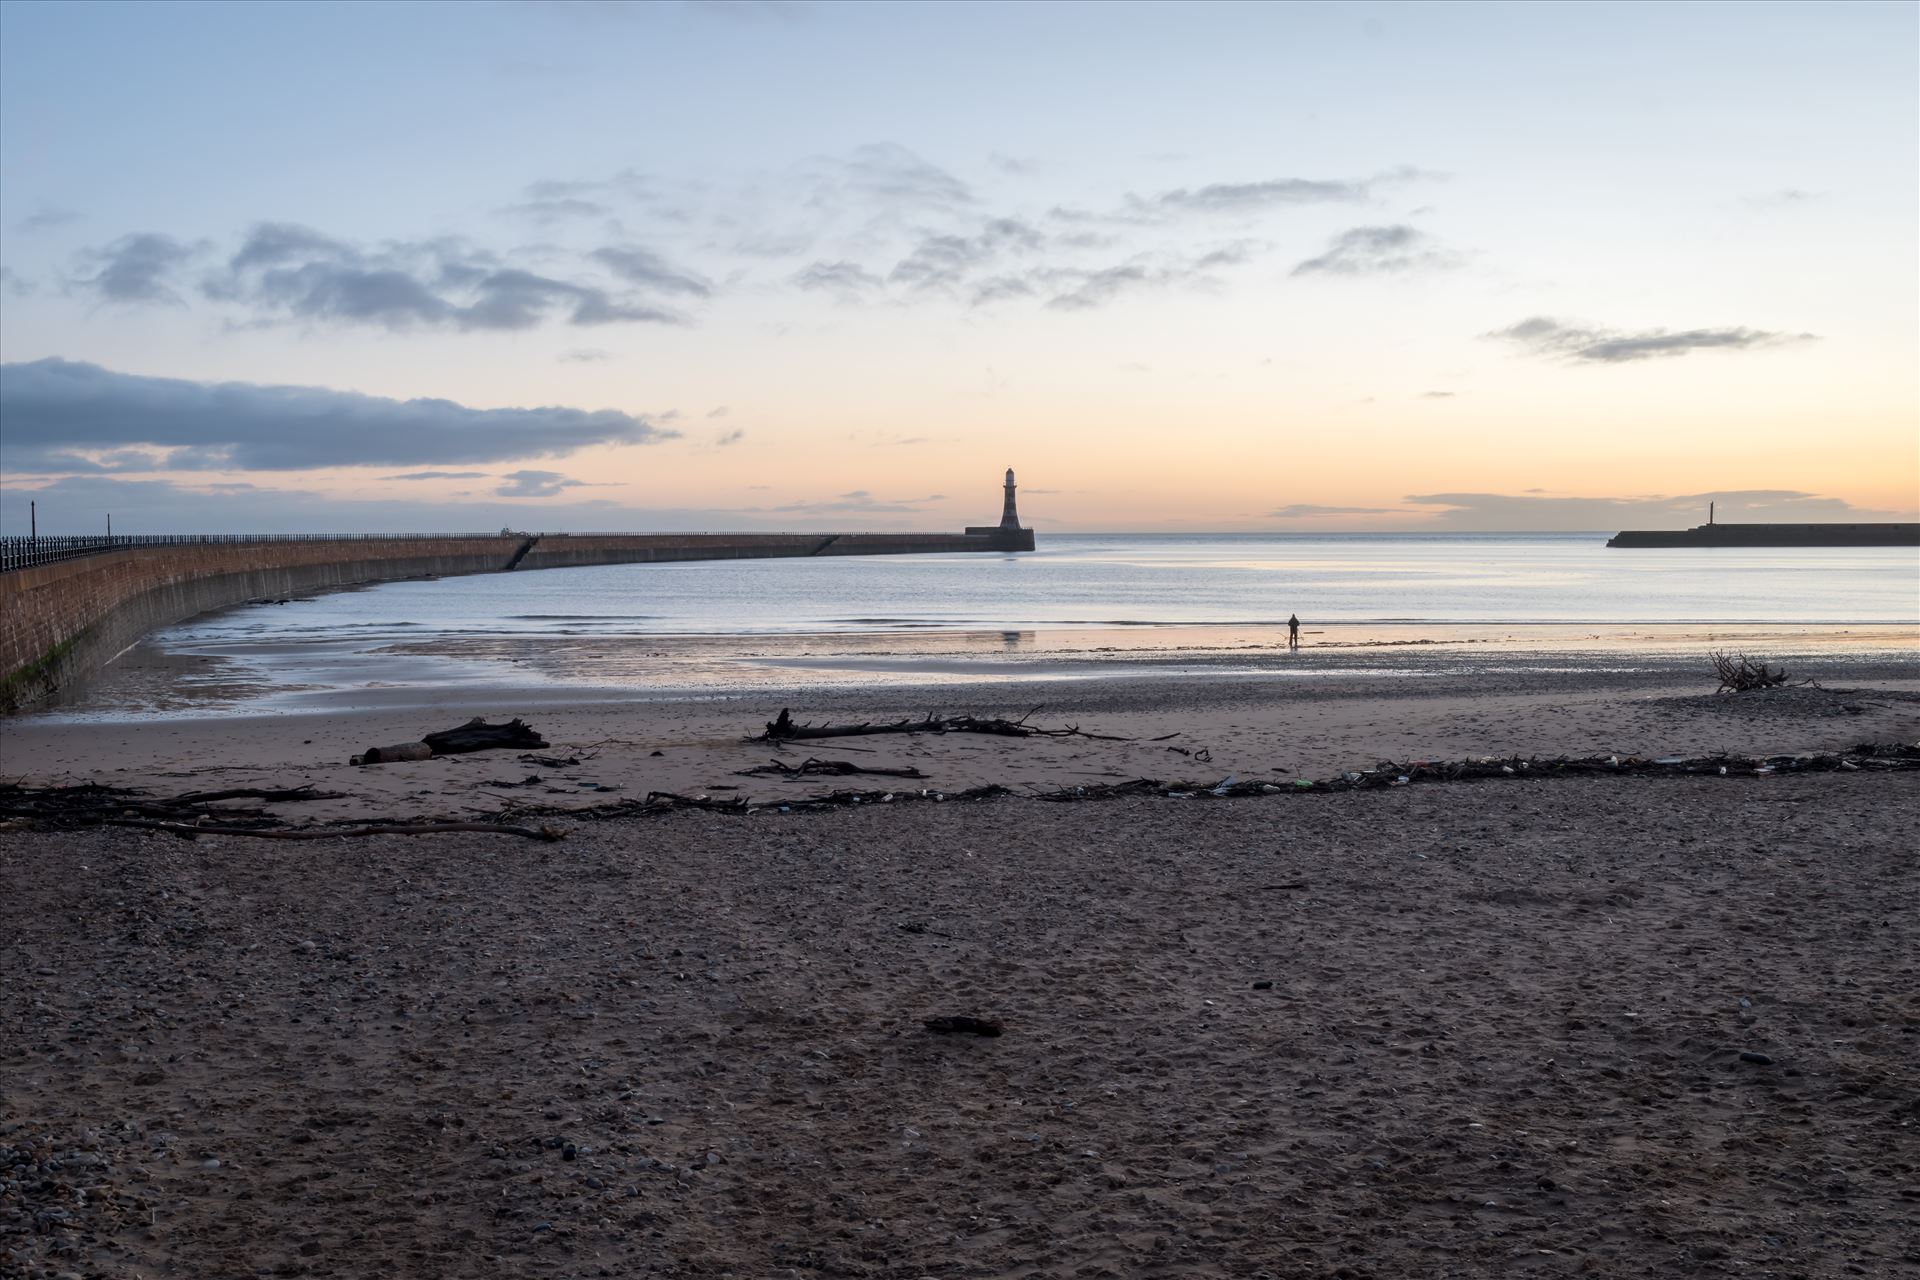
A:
{"points": [[477, 735], [394, 754]]}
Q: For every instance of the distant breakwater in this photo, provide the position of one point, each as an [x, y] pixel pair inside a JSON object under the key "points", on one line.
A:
{"points": [[1863, 534], [64, 619]]}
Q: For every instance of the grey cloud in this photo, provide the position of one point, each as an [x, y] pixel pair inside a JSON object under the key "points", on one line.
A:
{"points": [[626, 184], [1781, 199], [137, 268], [438, 475], [1019, 166], [1001, 289], [1092, 289], [943, 261], [1243, 198], [734, 436], [294, 271], [858, 502], [535, 484], [548, 212], [773, 244], [1069, 288], [53, 407], [515, 299], [1299, 510], [46, 218], [1530, 513], [719, 411], [585, 355], [1545, 336], [642, 267], [15, 284], [1376, 251], [1238, 197], [888, 172], [844, 278], [1438, 395]]}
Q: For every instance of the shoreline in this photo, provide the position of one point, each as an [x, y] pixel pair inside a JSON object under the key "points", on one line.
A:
{"points": [[1174, 721], [181, 677]]}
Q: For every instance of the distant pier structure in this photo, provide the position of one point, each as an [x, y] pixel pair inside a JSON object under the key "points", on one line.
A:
{"points": [[1007, 535]]}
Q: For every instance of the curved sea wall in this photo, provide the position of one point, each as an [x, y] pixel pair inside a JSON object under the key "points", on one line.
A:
{"points": [[563, 550], [63, 621]]}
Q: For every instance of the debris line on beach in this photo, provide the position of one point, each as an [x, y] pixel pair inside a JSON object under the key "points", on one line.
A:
{"points": [[200, 814], [1384, 776]]}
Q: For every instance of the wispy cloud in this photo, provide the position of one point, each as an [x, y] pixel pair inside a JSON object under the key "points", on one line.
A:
{"points": [[438, 475], [46, 218], [1544, 336], [1260, 196], [889, 172], [846, 279], [1784, 197], [137, 268], [944, 261], [1378, 251], [858, 502], [1306, 510], [284, 271], [732, 437], [536, 484], [647, 269], [1534, 512]]}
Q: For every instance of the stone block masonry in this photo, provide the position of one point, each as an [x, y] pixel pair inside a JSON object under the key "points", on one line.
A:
{"points": [[64, 621], [61, 622]]}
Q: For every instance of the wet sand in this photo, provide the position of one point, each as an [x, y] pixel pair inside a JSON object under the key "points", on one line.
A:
{"points": [[1439, 703]]}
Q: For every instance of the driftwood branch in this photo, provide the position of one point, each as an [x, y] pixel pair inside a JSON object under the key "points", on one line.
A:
{"points": [[811, 768], [189, 831], [783, 728], [1739, 673], [273, 795]]}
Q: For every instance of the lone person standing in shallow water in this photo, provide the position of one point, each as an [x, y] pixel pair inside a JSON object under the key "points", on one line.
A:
{"points": [[1293, 631]]}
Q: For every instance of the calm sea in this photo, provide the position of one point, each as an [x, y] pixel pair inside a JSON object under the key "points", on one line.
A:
{"points": [[1125, 580]]}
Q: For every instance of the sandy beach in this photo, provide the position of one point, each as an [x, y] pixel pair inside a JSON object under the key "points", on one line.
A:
{"points": [[1441, 1030]]}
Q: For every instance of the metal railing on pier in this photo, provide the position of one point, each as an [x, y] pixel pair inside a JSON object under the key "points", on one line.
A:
{"points": [[24, 553]]}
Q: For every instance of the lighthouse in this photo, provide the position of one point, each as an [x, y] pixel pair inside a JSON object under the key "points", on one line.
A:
{"points": [[1007, 535]]}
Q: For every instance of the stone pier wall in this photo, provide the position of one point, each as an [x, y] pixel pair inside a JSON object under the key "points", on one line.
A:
{"points": [[61, 622]]}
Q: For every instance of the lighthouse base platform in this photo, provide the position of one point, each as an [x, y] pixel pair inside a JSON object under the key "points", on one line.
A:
{"points": [[1004, 539]]}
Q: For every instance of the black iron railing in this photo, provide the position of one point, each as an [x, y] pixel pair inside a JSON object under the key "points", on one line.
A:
{"points": [[24, 553]]}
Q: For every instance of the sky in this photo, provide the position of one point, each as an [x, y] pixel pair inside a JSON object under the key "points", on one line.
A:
{"points": [[754, 265]]}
